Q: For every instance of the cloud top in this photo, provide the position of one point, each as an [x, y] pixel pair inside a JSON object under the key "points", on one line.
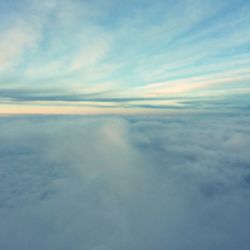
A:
{"points": [[179, 182]]}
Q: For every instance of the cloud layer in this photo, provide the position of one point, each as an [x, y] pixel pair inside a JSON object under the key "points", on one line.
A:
{"points": [[176, 182]]}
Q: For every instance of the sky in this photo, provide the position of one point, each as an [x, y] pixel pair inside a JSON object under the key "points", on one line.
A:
{"points": [[124, 57], [124, 124]]}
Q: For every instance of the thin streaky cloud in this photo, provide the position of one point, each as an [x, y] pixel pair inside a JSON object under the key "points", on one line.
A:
{"points": [[123, 50]]}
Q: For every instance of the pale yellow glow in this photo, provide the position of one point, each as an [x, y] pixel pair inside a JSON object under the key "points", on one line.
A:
{"points": [[64, 110]]}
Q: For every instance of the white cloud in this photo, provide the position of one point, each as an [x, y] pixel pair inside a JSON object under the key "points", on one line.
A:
{"points": [[17, 39], [90, 56], [179, 182]]}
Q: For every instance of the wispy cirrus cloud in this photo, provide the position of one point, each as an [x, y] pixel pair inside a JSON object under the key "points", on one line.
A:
{"points": [[132, 50], [15, 41]]}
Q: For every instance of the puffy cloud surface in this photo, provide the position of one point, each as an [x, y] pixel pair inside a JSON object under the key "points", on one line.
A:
{"points": [[178, 182]]}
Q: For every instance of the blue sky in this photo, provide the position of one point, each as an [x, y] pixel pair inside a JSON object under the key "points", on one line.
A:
{"points": [[123, 56]]}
